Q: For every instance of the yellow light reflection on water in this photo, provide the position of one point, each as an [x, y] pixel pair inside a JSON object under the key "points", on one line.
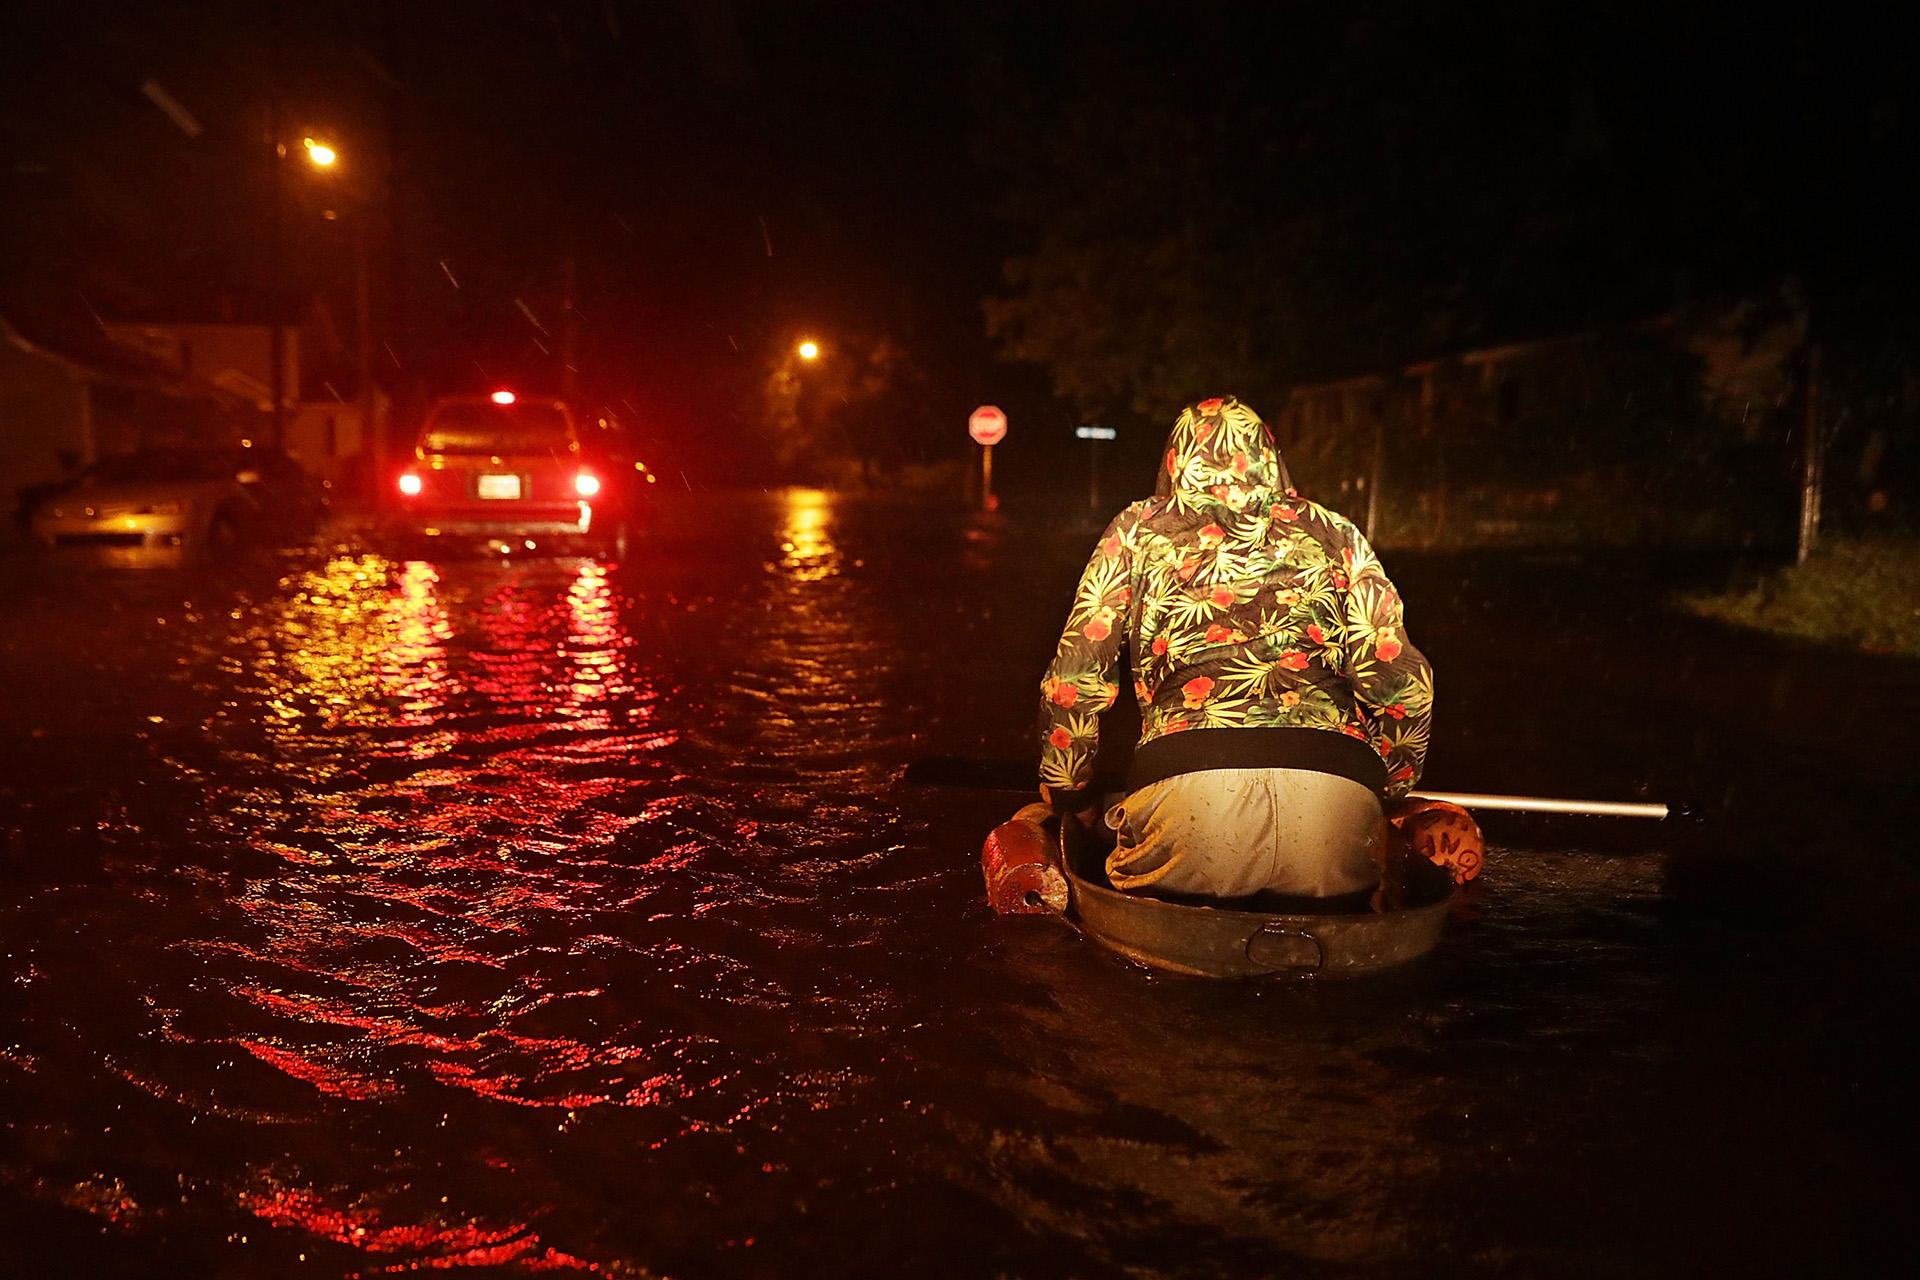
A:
{"points": [[413, 663], [369, 642], [806, 537], [312, 660]]}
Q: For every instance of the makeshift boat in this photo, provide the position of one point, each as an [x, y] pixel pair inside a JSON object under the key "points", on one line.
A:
{"points": [[1028, 872]]}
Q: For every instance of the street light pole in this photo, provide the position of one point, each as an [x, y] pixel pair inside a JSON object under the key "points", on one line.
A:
{"points": [[359, 214], [373, 429], [276, 285]]}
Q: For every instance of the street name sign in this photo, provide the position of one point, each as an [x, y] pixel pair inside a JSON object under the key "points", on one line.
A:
{"points": [[1094, 433]]}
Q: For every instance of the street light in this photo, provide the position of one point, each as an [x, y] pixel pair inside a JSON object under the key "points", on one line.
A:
{"points": [[809, 350], [323, 157]]}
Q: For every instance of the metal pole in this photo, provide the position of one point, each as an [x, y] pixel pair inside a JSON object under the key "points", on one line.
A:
{"points": [[1373, 481], [986, 477], [1546, 804], [1811, 458], [393, 205], [276, 336], [374, 431], [1093, 468]]}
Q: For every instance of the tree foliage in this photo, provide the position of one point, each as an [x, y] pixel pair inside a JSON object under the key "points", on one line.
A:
{"points": [[1258, 196], [849, 409]]}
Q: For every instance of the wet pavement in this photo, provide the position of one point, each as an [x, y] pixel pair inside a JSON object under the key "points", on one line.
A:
{"points": [[363, 915]]}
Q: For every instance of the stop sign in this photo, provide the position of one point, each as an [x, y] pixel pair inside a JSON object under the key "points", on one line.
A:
{"points": [[987, 425]]}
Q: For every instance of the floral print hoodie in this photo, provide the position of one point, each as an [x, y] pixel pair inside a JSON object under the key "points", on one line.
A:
{"points": [[1244, 605]]}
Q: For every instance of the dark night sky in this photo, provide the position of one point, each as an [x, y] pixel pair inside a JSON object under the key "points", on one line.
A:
{"points": [[1632, 153]]}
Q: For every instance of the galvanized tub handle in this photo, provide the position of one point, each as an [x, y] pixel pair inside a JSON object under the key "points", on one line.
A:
{"points": [[1277, 946]]}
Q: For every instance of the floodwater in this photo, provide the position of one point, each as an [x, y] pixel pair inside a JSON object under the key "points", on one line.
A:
{"points": [[362, 915]]}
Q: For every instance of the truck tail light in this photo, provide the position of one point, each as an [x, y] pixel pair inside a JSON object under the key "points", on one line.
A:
{"points": [[410, 484], [586, 484]]}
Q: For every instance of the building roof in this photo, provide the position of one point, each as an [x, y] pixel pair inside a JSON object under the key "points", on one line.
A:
{"points": [[87, 354]]}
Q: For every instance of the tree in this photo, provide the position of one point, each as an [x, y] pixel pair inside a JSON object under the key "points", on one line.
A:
{"points": [[853, 407], [1247, 197]]}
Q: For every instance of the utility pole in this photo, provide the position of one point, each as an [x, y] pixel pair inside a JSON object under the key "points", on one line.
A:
{"points": [[393, 206], [569, 333]]}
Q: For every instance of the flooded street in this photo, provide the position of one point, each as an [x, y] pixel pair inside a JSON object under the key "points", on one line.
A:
{"points": [[363, 915]]}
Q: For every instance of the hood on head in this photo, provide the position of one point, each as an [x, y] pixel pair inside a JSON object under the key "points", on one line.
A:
{"points": [[1220, 452]]}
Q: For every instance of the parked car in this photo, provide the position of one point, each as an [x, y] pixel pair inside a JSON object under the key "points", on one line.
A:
{"points": [[522, 474], [166, 506]]}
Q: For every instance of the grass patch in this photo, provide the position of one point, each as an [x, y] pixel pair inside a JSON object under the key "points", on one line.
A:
{"points": [[1864, 595]]}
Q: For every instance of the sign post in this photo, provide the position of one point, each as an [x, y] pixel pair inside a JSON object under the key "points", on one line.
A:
{"points": [[1093, 435], [988, 427]]}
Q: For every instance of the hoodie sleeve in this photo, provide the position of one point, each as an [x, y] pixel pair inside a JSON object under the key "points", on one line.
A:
{"points": [[1392, 680], [1080, 683]]}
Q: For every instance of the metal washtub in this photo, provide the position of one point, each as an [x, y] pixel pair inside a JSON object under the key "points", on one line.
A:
{"points": [[1223, 942], [1217, 942]]}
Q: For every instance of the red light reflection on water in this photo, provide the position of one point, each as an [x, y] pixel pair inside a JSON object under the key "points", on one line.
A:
{"points": [[338, 1013], [322, 1076], [593, 635], [441, 1247], [462, 743]]}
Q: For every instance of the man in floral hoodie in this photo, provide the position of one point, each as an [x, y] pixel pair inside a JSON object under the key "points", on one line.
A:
{"points": [[1281, 701]]}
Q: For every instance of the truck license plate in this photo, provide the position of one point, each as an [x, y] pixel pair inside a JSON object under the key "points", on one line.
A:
{"points": [[499, 487]]}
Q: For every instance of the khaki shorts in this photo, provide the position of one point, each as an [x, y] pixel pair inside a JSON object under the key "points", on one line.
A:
{"points": [[1230, 833]]}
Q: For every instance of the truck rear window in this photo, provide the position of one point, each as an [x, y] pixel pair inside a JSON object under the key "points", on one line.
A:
{"points": [[496, 429]]}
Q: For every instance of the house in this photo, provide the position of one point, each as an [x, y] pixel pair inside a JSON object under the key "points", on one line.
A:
{"points": [[1333, 432], [46, 419], [1605, 436], [325, 429], [62, 406]]}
